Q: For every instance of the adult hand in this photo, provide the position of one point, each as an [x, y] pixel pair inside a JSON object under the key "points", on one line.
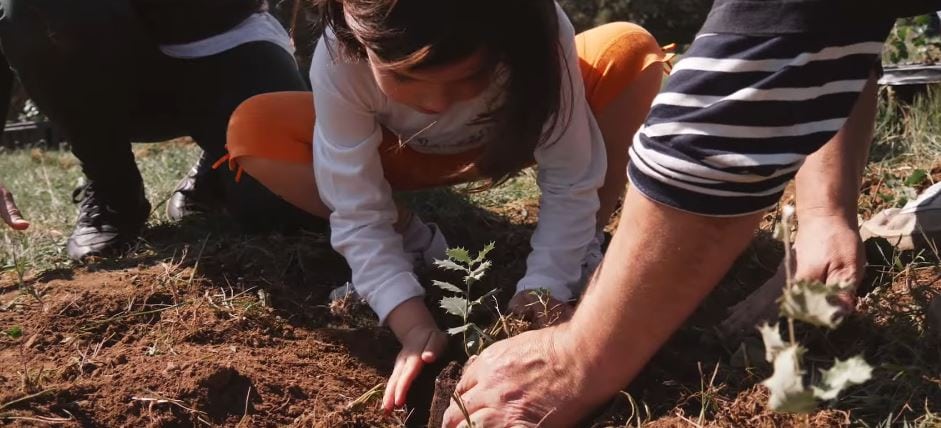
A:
{"points": [[422, 343], [828, 249], [540, 308], [9, 212], [526, 381]]}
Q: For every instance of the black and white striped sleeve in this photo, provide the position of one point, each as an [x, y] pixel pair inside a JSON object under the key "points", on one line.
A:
{"points": [[740, 113]]}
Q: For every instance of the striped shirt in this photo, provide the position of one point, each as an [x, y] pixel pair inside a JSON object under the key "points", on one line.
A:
{"points": [[740, 114]]}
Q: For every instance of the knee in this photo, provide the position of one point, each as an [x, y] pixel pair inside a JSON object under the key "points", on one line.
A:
{"points": [[275, 125], [620, 56], [249, 122], [256, 165], [625, 41]]}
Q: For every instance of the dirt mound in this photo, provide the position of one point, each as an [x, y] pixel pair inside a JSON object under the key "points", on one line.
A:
{"points": [[142, 347]]}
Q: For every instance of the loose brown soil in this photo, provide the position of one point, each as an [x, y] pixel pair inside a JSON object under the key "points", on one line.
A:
{"points": [[123, 349], [237, 332]]}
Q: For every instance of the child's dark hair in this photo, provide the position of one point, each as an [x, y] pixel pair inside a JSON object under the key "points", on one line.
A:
{"points": [[520, 35]]}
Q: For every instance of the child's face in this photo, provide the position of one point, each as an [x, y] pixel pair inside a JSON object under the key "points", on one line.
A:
{"points": [[433, 90]]}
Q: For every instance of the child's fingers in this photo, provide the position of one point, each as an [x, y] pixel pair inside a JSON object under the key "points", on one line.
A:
{"points": [[387, 403], [388, 397], [410, 369]]}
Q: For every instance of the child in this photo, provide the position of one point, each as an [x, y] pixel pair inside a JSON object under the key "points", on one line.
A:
{"points": [[413, 94]]}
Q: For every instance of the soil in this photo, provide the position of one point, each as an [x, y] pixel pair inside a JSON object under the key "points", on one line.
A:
{"points": [[116, 349], [445, 385], [243, 337]]}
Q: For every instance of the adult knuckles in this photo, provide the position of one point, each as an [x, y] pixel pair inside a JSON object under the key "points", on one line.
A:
{"points": [[511, 395], [850, 274]]}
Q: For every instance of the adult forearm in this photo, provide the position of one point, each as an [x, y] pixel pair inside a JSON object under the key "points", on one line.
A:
{"points": [[828, 182], [634, 305]]}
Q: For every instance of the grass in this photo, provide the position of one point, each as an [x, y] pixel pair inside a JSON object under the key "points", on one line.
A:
{"points": [[42, 182], [701, 387], [907, 146]]}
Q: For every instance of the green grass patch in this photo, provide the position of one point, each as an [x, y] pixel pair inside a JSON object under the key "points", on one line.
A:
{"points": [[43, 181]]}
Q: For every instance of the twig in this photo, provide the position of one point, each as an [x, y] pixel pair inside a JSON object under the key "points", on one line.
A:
{"points": [[53, 421], [460, 405], [198, 258], [689, 421], [787, 215], [24, 399], [247, 396], [364, 399], [163, 400], [245, 412], [52, 194], [135, 314], [546, 417]]}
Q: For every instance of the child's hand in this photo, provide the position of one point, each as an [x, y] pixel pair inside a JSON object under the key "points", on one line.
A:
{"points": [[422, 343], [540, 308]]}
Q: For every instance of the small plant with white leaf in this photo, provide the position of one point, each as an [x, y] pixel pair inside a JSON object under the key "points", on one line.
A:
{"points": [[810, 302], [461, 303]]}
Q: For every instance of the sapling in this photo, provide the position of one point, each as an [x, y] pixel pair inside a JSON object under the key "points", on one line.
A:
{"points": [[810, 302], [461, 304]]}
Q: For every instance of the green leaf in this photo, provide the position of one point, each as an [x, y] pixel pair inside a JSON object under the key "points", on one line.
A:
{"points": [[810, 302], [771, 336], [478, 273], [788, 393], [853, 371], [918, 177], [449, 265], [456, 306], [14, 332], [458, 330], [459, 255], [482, 254], [447, 286], [480, 300]]}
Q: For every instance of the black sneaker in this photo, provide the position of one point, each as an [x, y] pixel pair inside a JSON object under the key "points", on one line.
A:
{"points": [[198, 193], [107, 223]]}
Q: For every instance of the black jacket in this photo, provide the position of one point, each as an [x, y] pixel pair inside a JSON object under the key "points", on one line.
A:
{"points": [[183, 21]]}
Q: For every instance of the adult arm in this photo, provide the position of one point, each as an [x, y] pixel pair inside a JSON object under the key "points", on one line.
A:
{"points": [[655, 273], [828, 247]]}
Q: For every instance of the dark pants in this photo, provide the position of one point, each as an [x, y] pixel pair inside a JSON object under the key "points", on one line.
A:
{"points": [[6, 88], [93, 69]]}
